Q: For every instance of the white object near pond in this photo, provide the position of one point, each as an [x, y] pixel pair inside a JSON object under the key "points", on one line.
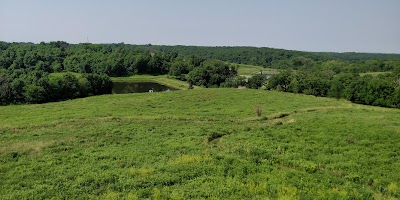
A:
{"points": [[151, 91]]}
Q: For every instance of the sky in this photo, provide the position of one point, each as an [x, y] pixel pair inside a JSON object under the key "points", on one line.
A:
{"points": [[306, 25]]}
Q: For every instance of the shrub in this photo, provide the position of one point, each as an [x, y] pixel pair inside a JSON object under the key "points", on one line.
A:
{"points": [[258, 111]]}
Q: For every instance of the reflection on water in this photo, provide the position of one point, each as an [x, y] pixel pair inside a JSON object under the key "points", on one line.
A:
{"points": [[138, 87]]}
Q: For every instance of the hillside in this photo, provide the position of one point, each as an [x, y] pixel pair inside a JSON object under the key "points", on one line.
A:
{"points": [[206, 143], [26, 68], [262, 56]]}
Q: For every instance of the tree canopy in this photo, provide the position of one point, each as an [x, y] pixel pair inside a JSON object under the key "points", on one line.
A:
{"points": [[36, 73]]}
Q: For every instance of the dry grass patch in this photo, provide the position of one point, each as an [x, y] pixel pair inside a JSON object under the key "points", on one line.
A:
{"points": [[29, 148], [143, 171]]}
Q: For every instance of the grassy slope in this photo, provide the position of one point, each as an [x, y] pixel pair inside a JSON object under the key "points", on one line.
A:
{"points": [[199, 144], [163, 79], [249, 70]]}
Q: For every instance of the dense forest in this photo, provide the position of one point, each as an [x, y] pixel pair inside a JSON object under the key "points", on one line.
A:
{"points": [[381, 90], [329, 74], [283, 59], [37, 73], [31, 74]]}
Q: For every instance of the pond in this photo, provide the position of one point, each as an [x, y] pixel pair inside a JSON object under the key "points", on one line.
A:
{"points": [[138, 87]]}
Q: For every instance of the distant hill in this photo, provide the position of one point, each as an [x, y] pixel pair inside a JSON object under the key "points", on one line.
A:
{"points": [[353, 56], [263, 56]]}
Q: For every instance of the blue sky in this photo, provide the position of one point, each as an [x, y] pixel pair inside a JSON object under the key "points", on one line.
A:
{"points": [[309, 25]]}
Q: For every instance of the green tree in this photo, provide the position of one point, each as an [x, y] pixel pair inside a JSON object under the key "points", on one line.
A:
{"points": [[281, 79], [256, 81], [34, 94]]}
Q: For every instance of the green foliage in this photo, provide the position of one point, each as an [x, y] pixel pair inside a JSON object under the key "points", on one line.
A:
{"points": [[212, 73], [256, 81], [180, 67], [38, 87], [283, 59], [234, 82], [115, 60], [25, 67], [98, 84], [396, 97], [281, 80], [34, 94], [380, 90]]}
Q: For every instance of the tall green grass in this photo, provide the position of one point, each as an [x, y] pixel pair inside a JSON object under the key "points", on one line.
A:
{"points": [[206, 143]]}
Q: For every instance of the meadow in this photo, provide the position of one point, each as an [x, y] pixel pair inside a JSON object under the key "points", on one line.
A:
{"points": [[162, 79], [198, 144], [250, 70]]}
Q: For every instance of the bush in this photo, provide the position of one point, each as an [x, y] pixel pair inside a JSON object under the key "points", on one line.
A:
{"points": [[256, 81], [258, 111], [212, 73], [34, 94]]}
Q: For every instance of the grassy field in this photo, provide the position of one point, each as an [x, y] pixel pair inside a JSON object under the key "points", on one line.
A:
{"points": [[196, 144], [163, 79], [249, 70]]}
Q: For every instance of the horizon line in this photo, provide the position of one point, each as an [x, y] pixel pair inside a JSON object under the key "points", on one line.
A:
{"points": [[212, 46]]}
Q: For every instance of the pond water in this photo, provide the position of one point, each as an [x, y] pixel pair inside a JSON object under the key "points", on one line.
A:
{"points": [[138, 87]]}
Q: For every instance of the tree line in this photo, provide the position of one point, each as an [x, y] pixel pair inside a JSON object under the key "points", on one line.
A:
{"points": [[32, 73], [28, 72], [37, 86], [380, 90], [335, 75], [37, 73], [284, 59]]}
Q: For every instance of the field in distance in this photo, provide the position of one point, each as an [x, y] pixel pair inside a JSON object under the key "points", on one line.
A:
{"points": [[250, 70], [208, 143], [161, 79]]}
